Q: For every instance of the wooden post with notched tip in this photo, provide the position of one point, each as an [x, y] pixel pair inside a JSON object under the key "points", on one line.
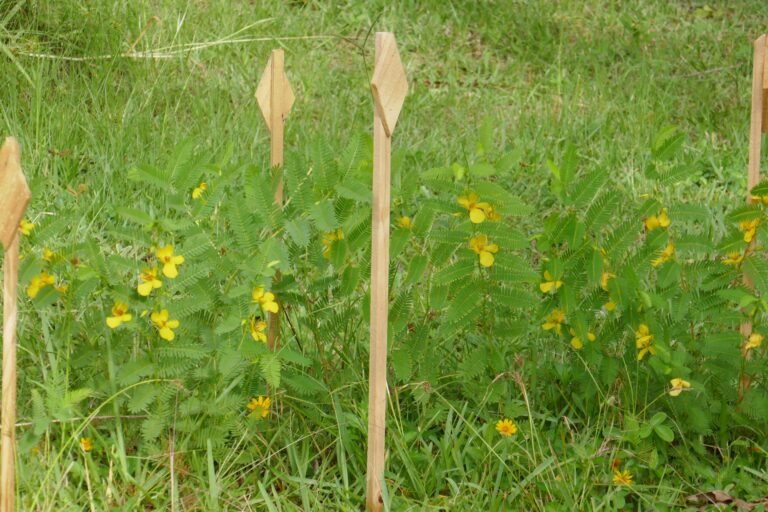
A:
{"points": [[14, 198], [389, 87], [757, 126], [275, 99]]}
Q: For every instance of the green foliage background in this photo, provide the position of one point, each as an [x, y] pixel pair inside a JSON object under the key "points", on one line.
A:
{"points": [[576, 121]]}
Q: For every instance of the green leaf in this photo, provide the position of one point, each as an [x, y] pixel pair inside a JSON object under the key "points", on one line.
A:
{"points": [[756, 269], [665, 433], [299, 231], [667, 143], [270, 369], [323, 215], [415, 269], [135, 215], [354, 190], [151, 176], [482, 170]]}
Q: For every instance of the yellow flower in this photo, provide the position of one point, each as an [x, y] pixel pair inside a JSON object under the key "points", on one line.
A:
{"points": [[643, 342], [26, 227], [760, 199], [506, 427], [119, 316], [576, 340], [678, 385], [604, 278], [404, 222], [86, 444], [259, 407], [492, 214], [197, 193], [477, 211], [169, 261], [62, 288], [549, 283], [749, 228], [164, 325], [622, 477], [610, 306], [480, 245], [48, 254], [733, 258], [665, 255], [657, 221], [328, 239], [755, 340], [265, 299], [555, 321], [149, 281], [38, 283], [258, 327]]}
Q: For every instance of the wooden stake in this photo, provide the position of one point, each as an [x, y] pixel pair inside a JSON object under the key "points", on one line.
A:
{"points": [[275, 98], [756, 129], [389, 87], [14, 198]]}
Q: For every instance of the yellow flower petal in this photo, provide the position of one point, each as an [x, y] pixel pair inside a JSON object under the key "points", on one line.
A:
{"points": [[476, 215]]}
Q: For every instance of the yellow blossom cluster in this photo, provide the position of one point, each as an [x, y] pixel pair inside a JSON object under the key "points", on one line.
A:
{"points": [[644, 342], [478, 211], [660, 220], [328, 241], [484, 249], [259, 407]]}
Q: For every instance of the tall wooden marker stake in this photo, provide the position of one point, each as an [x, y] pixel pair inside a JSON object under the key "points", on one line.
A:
{"points": [[389, 87], [757, 126], [275, 98], [14, 198]]}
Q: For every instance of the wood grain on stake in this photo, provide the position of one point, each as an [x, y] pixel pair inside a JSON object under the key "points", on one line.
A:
{"points": [[756, 128], [389, 87], [275, 98], [14, 198]]}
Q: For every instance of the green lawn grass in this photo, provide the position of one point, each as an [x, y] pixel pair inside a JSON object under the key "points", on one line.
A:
{"points": [[603, 75]]}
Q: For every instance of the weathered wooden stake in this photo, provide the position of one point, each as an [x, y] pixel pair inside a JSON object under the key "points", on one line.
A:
{"points": [[14, 198], [389, 87], [275, 98], [757, 126]]}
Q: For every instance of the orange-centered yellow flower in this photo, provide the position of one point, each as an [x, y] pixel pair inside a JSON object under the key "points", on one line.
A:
{"points": [[26, 227], [665, 255], [258, 326], [506, 427], [576, 340], [197, 193], [622, 477], [657, 221], [119, 316], [484, 250], [733, 258], [550, 284], [265, 299], [555, 321], [39, 282], [678, 385], [86, 444], [149, 281], [328, 240], [259, 407], [604, 278], [164, 326], [477, 211], [169, 261], [404, 222], [644, 342], [749, 228]]}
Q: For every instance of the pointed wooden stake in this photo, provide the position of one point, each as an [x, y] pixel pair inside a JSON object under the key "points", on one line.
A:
{"points": [[14, 198], [757, 126], [389, 87], [275, 98]]}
